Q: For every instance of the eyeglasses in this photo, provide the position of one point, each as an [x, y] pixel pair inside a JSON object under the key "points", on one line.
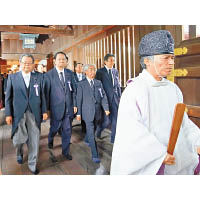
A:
{"points": [[27, 63]]}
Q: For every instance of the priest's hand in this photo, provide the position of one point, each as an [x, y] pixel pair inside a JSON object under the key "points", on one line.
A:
{"points": [[107, 112], [198, 150], [45, 116], [169, 159], [9, 120], [75, 110], [78, 117]]}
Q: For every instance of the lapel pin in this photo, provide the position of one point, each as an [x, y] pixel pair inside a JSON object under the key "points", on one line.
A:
{"points": [[36, 89], [100, 92], [69, 83]]}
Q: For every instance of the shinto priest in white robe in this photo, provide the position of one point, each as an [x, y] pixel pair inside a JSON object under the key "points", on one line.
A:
{"points": [[143, 128]]}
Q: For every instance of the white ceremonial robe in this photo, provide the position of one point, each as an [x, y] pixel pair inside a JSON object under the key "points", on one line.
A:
{"points": [[143, 128]]}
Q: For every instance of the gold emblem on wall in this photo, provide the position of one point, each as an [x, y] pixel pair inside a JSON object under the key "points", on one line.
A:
{"points": [[180, 51], [177, 73]]}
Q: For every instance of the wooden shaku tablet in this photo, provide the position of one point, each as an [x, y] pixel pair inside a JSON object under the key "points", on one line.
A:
{"points": [[175, 128]]}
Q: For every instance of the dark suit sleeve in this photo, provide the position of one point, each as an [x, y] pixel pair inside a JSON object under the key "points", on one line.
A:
{"points": [[79, 98], [5, 85], [75, 77], [44, 103], [9, 98], [119, 88], [98, 75], [74, 91], [47, 89], [104, 101]]}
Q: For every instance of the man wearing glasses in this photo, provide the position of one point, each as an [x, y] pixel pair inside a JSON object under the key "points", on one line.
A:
{"points": [[25, 108]]}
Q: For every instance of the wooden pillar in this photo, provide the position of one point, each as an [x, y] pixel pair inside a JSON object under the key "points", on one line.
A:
{"points": [[118, 64], [192, 31], [136, 36], [127, 54], [122, 57], [132, 51]]}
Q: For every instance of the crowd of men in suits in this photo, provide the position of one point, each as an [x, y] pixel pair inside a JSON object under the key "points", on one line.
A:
{"points": [[92, 97]]}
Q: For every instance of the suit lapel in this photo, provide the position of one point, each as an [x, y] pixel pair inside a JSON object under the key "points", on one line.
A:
{"points": [[106, 72], [114, 77], [66, 78], [87, 84], [33, 81], [22, 84], [56, 77]]}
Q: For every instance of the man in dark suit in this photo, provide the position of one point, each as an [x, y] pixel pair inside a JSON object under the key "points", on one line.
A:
{"points": [[78, 74], [90, 98], [24, 107], [109, 77], [60, 92]]}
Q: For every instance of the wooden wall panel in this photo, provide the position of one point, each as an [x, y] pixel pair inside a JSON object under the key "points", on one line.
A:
{"points": [[190, 90]]}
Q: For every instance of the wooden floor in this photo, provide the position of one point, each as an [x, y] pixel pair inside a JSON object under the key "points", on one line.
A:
{"points": [[51, 162]]}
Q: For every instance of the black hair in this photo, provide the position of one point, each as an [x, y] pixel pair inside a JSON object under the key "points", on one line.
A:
{"points": [[108, 55], [78, 63], [60, 52], [27, 55]]}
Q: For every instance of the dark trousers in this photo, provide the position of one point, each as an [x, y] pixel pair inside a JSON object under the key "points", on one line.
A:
{"points": [[83, 125], [110, 119], [90, 136], [65, 126]]}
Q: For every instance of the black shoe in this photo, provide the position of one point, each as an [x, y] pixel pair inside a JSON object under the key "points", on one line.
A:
{"points": [[20, 159], [35, 172], [50, 145], [68, 156]]}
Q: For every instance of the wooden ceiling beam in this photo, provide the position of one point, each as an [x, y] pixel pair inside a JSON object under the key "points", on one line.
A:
{"points": [[32, 29]]}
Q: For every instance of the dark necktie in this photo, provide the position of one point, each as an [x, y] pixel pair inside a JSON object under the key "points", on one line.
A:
{"points": [[62, 79], [92, 86], [110, 76]]}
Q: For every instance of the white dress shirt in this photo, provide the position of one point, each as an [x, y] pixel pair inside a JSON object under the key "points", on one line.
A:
{"points": [[80, 76], [26, 78], [89, 80], [58, 70], [111, 72]]}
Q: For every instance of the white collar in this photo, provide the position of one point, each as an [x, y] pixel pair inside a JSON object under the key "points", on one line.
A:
{"points": [[152, 80], [108, 68], [58, 70], [26, 74], [89, 80]]}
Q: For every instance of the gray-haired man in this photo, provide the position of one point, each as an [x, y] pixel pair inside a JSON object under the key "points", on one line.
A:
{"points": [[90, 98]]}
